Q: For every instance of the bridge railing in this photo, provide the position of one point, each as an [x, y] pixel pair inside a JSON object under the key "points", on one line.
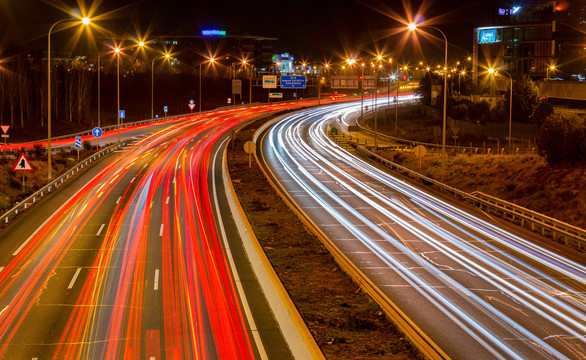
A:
{"points": [[31, 200], [547, 226]]}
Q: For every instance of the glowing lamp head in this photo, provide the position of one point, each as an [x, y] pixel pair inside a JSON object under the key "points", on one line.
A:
{"points": [[117, 50], [141, 43], [350, 61], [212, 60], [167, 55], [491, 71], [379, 57], [552, 67], [412, 26], [86, 20]]}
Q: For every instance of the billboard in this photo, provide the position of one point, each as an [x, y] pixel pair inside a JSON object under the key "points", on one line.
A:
{"points": [[487, 36], [293, 82]]}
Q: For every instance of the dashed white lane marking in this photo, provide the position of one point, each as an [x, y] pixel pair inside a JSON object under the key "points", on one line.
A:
{"points": [[118, 201], [74, 278], [167, 201], [161, 231], [156, 287], [101, 228]]}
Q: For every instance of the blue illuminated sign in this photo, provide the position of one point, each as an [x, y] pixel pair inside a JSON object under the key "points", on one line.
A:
{"points": [[487, 36], [213, 32], [293, 82]]}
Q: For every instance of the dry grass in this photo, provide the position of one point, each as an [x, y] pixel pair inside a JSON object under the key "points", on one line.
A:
{"points": [[527, 180]]}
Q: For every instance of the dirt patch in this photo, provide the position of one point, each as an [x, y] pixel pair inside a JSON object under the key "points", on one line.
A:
{"points": [[345, 322]]}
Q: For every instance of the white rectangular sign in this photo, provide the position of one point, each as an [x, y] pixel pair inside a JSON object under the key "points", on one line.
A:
{"points": [[276, 95], [269, 81]]}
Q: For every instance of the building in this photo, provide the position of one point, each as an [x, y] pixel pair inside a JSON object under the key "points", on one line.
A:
{"points": [[533, 38]]}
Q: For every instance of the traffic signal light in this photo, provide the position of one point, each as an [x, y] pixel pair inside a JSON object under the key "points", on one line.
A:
{"points": [[360, 77]]}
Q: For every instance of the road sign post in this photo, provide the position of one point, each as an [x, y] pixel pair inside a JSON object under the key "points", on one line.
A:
{"points": [[78, 144], [249, 147], [191, 105], [165, 110], [5, 131], [23, 164]]}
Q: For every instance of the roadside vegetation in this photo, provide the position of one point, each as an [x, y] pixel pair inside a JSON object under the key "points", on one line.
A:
{"points": [[11, 188]]}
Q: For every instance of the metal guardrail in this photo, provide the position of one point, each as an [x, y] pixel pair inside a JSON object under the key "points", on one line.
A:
{"points": [[558, 230], [31, 200], [535, 221]]}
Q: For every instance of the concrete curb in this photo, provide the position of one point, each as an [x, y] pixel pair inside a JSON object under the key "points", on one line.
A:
{"points": [[296, 334]]}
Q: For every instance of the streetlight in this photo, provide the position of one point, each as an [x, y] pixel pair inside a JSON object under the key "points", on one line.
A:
{"points": [[117, 51], [166, 56], [462, 73], [492, 71], [211, 60], [552, 68], [413, 27], [84, 21]]}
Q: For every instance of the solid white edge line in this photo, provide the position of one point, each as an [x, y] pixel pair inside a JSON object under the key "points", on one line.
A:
{"points": [[100, 231], [156, 286], [74, 279], [247, 312]]}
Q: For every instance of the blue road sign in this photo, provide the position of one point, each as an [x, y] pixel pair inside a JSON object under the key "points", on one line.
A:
{"points": [[78, 142], [122, 114], [97, 132], [165, 108], [101, 144], [191, 102], [293, 82]]}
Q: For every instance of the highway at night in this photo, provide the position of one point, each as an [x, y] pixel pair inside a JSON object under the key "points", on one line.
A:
{"points": [[138, 258], [478, 289]]}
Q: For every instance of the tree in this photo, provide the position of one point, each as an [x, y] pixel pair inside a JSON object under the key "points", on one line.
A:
{"points": [[563, 139], [525, 99]]}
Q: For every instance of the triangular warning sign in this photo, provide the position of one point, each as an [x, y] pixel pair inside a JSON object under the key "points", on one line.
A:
{"points": [[22, 164], [5, 128]]}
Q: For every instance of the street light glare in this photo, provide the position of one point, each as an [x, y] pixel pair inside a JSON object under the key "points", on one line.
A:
{"points": [[212, 60], [412, 26], [141, 43], [86, 20], [491, 71], [167, 56], [117, 50]]}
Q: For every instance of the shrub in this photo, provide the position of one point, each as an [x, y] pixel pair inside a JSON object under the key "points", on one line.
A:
{"points": [[562, 139], [459, 112]]}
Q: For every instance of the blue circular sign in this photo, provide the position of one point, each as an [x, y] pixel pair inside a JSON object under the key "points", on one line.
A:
{"points": [[97, 132], [191, 102]]}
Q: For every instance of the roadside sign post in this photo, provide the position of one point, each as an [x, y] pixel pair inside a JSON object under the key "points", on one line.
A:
{"points": [[249, 147], [165, 110], [78, 145], [23, 164], [191, 105], [5, 132], [97, 132], [269, 82]]}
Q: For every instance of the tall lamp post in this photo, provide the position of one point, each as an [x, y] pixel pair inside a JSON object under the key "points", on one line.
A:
{"points": [[492, 71], [413, 27], [99, 90], [552, 68], [84, 21], [166, 56], [117, 51], [211, 60]]}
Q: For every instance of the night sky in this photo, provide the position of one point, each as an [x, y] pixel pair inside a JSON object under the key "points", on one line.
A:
{"points": [[308, 29]]}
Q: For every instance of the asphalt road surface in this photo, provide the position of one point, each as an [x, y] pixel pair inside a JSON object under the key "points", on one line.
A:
{"points": [[477, 288]]}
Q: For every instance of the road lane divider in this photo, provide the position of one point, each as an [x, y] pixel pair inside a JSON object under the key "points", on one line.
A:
{"points": [[294, 330], [100, 231], [156, 282], [161, 230], [72, 282]]}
